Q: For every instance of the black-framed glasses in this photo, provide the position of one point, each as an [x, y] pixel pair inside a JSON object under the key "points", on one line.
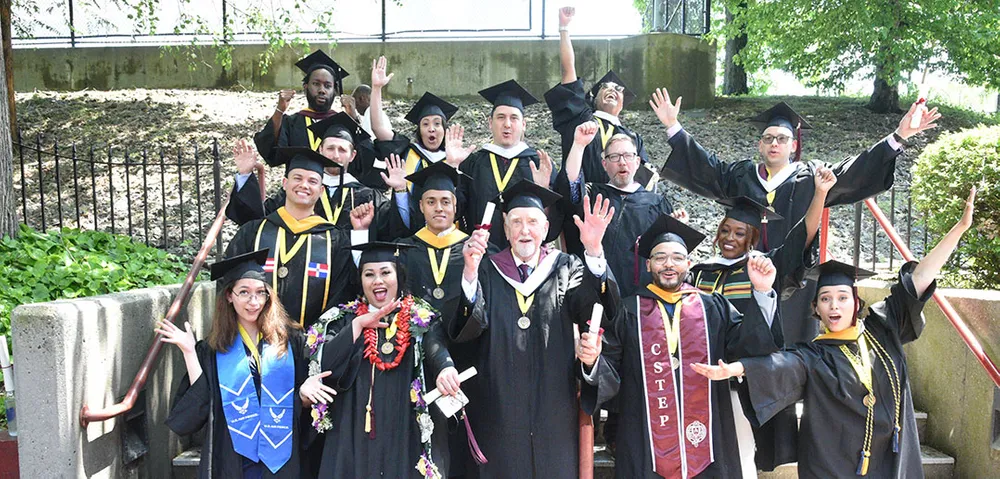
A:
{"points": [[614, 86], [620, 157], [782, 139]]}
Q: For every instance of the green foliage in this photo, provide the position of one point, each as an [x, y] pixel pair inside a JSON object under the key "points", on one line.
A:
{"points": [[942, 176]]}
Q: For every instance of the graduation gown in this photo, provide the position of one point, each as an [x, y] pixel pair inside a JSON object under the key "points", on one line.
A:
{"points": [[414, 160], [245, 206], [692, 167], [321, 273], [484, 188], [569, 106], [393, 452], [832, 430], [634, 214], [523, 403], [730, 335], [200, 405]]}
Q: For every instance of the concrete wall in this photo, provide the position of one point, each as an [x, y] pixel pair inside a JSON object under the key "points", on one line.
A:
{"points": [[87, 351], [949, 383], [683, 64]]}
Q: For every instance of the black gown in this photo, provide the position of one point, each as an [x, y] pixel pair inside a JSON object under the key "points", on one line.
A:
{"points": [[484, 188], [634, 214], [414, 160], [832, 430], [569, 106], [305, 292], [348, 451], [245, 206], [523, 403], [200, 405], [731, 335], [864, 176]]}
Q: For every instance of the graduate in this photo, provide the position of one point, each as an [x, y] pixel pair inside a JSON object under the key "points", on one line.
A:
{"points": [[310, 255], [251, 337], [322, 83], [675, 423], [503, 162], [375, 353], [780, 180], [344, 191], [858, 411], [636, 208], [571, 106], [518, 312]]}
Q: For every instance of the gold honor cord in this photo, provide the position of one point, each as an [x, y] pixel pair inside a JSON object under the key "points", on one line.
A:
{"points": [[863, 367], [605, 134], [254, 352], [314, 142], [438, 270], [895, 382], [502, 183]]}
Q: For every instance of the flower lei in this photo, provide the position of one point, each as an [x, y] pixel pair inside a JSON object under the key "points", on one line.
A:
{"points": [[402, 336]]}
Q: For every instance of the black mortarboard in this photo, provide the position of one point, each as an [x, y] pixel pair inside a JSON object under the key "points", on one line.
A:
{"points": [[379, 251], [430, 104], [319, 59], [248, 265], [780, 115], [508, 93], [666, 228], [627, 96], [305, 158], [748, 211], [339, 124], [526, 193], [437, 176], [835, 273]]}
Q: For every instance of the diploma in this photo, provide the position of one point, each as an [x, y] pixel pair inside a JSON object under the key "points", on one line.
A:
{"points": [[595, 318], [449, 405], [488, 215]]}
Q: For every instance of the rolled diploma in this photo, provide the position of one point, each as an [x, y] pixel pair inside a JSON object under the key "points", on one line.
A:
{"points": [[595, 318], [488, 215], [463, 376]]}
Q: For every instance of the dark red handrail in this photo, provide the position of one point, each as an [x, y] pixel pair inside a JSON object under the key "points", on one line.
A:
{"points": [[149, 363]]}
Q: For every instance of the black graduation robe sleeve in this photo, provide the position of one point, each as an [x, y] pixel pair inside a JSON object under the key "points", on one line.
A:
{"points": [[436, 351], [192, 402], [866, 175], [471, 318], [398, 145], [245, 205], [793, 259], [747, 334], [267, 138], [776, 381], [902, 310], [693, 168], [593, 396], [342, 355]]}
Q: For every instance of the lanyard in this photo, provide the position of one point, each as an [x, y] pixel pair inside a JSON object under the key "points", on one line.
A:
{"points": [[673, 331], [502, 183], [438, 270], [245, 336], [314, 142], [605, 134]]}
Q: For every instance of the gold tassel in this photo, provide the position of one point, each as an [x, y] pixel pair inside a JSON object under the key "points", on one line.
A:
{"points": [[863, 467], [368, 418]]}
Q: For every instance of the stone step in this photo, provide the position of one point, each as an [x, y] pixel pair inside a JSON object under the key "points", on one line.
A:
{"points": [[937, 465]]}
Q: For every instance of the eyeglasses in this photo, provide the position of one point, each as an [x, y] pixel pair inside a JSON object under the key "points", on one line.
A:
{"points": [[246, 296], [661, 259], [620, 157], [782, 139], [614, 86]]}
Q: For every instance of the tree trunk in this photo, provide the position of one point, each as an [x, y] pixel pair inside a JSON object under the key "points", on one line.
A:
{"points": [[885, 97], [8, 63], [8, 206], [734, 78]]}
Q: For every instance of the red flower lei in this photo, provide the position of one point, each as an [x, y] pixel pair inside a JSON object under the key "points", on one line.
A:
{"points": [[402, 336]]}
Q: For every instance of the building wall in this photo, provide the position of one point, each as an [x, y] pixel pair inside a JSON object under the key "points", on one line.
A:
{"points": [[683, 64]]}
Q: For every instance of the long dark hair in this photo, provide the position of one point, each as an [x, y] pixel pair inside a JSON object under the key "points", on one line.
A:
{"points": [[420, 138], [273, 322], [402, 287]]}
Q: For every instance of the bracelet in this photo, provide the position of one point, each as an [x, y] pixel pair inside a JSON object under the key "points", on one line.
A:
{"points": [[898, 138], [279, 110], [564, 29], [404, 190]]}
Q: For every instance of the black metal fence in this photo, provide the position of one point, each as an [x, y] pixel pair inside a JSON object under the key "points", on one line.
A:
{"points": [[164, 197], [871, 247]]}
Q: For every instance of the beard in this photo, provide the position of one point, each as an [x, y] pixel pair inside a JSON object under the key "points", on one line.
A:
{"points": [[618, 182], [524, 250], [669, 285], [315, 105]]}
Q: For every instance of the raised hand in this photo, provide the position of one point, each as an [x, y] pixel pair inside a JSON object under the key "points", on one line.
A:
{"points": [[245, 156], [350, 107], [379, 77], [396, 179], [566, 16], [927, 121], [473, 252], [313, 391], [454, 152], [970, 205], [596, 219], [824, 179], [447, 381], [543, 172], [182, 338], [284, 98], [762, 272], [665, 111], [721, 372], [373, 319], [362, 216], [681, 215], [585, 133]]}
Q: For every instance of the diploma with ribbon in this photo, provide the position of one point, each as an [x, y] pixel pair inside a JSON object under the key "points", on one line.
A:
{"points": [[451, 405]]}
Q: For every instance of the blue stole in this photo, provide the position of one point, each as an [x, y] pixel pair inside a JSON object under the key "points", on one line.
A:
{"points": [[271, 415]]}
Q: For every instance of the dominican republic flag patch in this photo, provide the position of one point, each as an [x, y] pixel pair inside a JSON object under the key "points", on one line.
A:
{"points": [[318, 270], [269, 265]]}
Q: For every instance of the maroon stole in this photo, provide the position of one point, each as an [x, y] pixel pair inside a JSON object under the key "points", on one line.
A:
{"points": [[679, 449]]}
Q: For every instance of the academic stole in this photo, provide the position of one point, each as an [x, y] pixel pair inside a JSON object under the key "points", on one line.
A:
{"points": [[680, 449], [735, 284], [333, 214], [444, 243], [275, 237], [245, 411]]}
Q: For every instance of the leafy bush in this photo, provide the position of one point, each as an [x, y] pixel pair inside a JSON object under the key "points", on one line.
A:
{"points": [[942, 176], [70, 263]]}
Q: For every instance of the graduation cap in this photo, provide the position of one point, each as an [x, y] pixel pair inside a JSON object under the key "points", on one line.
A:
{"points": [[746, 210], [784, 116], [611, 77], [337, 126], [836, 273], [430, 104], [438, 176], [379, 252], [319, 59], [305, 158], [526, 194], [248, 265], [508, 93], [665, 229]]}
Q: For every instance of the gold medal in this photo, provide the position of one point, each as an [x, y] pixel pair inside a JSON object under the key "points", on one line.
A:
{"points": [[523, 322], [675, 362], [387, 348], [438, 293], [869, 400], [282, 272]]}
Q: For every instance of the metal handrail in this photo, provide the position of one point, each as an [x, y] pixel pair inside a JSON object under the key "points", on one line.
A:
{"points": [[149, 363], [963, 330]]}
